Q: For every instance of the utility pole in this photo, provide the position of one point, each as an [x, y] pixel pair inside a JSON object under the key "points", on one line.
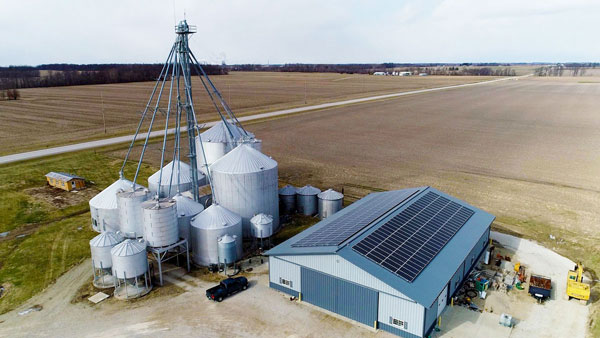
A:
{"points": [[103, 117]]}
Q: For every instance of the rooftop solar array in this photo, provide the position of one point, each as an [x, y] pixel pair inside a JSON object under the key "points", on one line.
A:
{"points": [[410, 240], [342, 228]]}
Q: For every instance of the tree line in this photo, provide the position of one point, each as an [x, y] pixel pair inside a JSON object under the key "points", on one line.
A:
{"points": [[568, 69], [55, 75]]}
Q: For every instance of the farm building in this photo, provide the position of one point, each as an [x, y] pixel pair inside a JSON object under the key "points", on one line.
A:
{"points": [[65, 181], [391, 260]]}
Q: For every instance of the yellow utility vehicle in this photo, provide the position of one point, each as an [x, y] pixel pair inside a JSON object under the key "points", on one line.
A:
{"points": [[576, 288]]}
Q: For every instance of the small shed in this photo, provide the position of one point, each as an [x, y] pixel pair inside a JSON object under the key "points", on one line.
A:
{"points": [[65, 181]]}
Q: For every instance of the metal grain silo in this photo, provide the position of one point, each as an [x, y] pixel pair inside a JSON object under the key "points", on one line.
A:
{"points": [[207, 227], [160, 222], [227, 248], [306, 200], [330, 202], [130, 269], [130, 211], [287, 199], [169, 181], [218, 141], [100, 247], [245, 182], [262, 226], [104, 208], [187, 208]]}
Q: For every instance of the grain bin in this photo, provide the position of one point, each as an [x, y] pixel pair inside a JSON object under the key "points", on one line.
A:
{"points": [[104, 208], [160, 222], [287, 199], [100, 247], [218, 141], [207, 227], [130, 269], [130, 211], [262, 226], [169, 182], [330, 202], [306, 200], [227, 247], [245, 182], [187, 208]]}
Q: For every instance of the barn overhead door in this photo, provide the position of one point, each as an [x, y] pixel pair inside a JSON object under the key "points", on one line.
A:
{"points": [[342, 297]]}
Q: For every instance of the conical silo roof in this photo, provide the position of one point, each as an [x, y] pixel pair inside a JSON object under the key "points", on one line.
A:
{"points": [[242, 160], [105, 239], [187, 207], [107, 198], [330, 195], [261, 219], [288, 190], [215, 216], [128, 247], [173, 167], [226, 239], [308, 190], [219, 133]]}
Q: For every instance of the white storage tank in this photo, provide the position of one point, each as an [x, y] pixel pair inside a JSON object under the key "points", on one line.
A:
{"points": [[330, 202], [169, 179], [160, 222], [104, 208], [262, 226], [227, 247], [207, 227], [187, 208], [130, 211], [129, 259], [245, 182], [217, 141], [287, 199], [306, 200], [100, 247]]}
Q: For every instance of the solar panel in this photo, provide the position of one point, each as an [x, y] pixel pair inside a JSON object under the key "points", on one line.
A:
{"points": [[411, 239], [342, 228]]}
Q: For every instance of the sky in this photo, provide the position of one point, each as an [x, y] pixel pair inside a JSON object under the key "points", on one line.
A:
{"points": [[284, 31]]}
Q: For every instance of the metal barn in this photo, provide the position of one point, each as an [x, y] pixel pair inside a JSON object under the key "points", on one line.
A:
{"points": [[391, 260]]}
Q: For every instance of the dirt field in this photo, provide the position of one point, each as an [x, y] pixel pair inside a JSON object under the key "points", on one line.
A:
{"points": [[45, 117]]}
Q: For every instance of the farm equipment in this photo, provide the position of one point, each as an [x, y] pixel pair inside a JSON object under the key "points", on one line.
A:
{"points": [[576, 288], [540, 287]]}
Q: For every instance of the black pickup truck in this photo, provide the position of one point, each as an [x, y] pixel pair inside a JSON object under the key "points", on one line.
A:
{"points": [[227, 287]]}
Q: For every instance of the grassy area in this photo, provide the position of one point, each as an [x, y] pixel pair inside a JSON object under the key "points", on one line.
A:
{"points": [[46, 240], [297, 224]]}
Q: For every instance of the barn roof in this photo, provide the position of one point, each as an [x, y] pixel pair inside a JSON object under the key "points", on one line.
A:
{"points": [[341, 234]]}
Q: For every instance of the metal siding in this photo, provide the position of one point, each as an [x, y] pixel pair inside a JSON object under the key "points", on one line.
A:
{"points": [[283, 289], [409, 311], [430, 317], [396, 331], [339, 267], [456, 280], [344, 298], [282, 269]]}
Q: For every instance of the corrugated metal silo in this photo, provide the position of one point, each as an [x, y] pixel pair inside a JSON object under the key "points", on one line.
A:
{"points": [[287, 199], [160, 222], [245, 182], [100, 247], [306, 200], [262, 226], [187, 208], [129, 259], [217, 141], [330, 202], [130, 211], [207, 227], [169, 179], [227, 248], [104, 208]]}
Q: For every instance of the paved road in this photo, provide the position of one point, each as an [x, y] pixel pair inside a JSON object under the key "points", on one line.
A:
{"points": [[124, 139]]}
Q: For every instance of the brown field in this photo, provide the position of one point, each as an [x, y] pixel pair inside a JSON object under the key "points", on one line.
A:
{"points": [[46, 117]]}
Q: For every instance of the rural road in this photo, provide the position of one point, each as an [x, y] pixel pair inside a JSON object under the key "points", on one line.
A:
{"points": [[123, 139]]}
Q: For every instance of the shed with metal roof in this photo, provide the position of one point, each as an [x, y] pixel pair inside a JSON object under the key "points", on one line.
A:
{"points": [[65, 181], [391, 260]]}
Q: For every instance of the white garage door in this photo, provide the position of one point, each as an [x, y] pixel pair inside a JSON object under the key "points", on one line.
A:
{"points": [[442, 300]]}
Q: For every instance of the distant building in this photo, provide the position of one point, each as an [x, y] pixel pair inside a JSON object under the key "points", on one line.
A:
{"points": [[405, 73], [380, 73], [423, 74], [65, 181], [391, 260]]}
